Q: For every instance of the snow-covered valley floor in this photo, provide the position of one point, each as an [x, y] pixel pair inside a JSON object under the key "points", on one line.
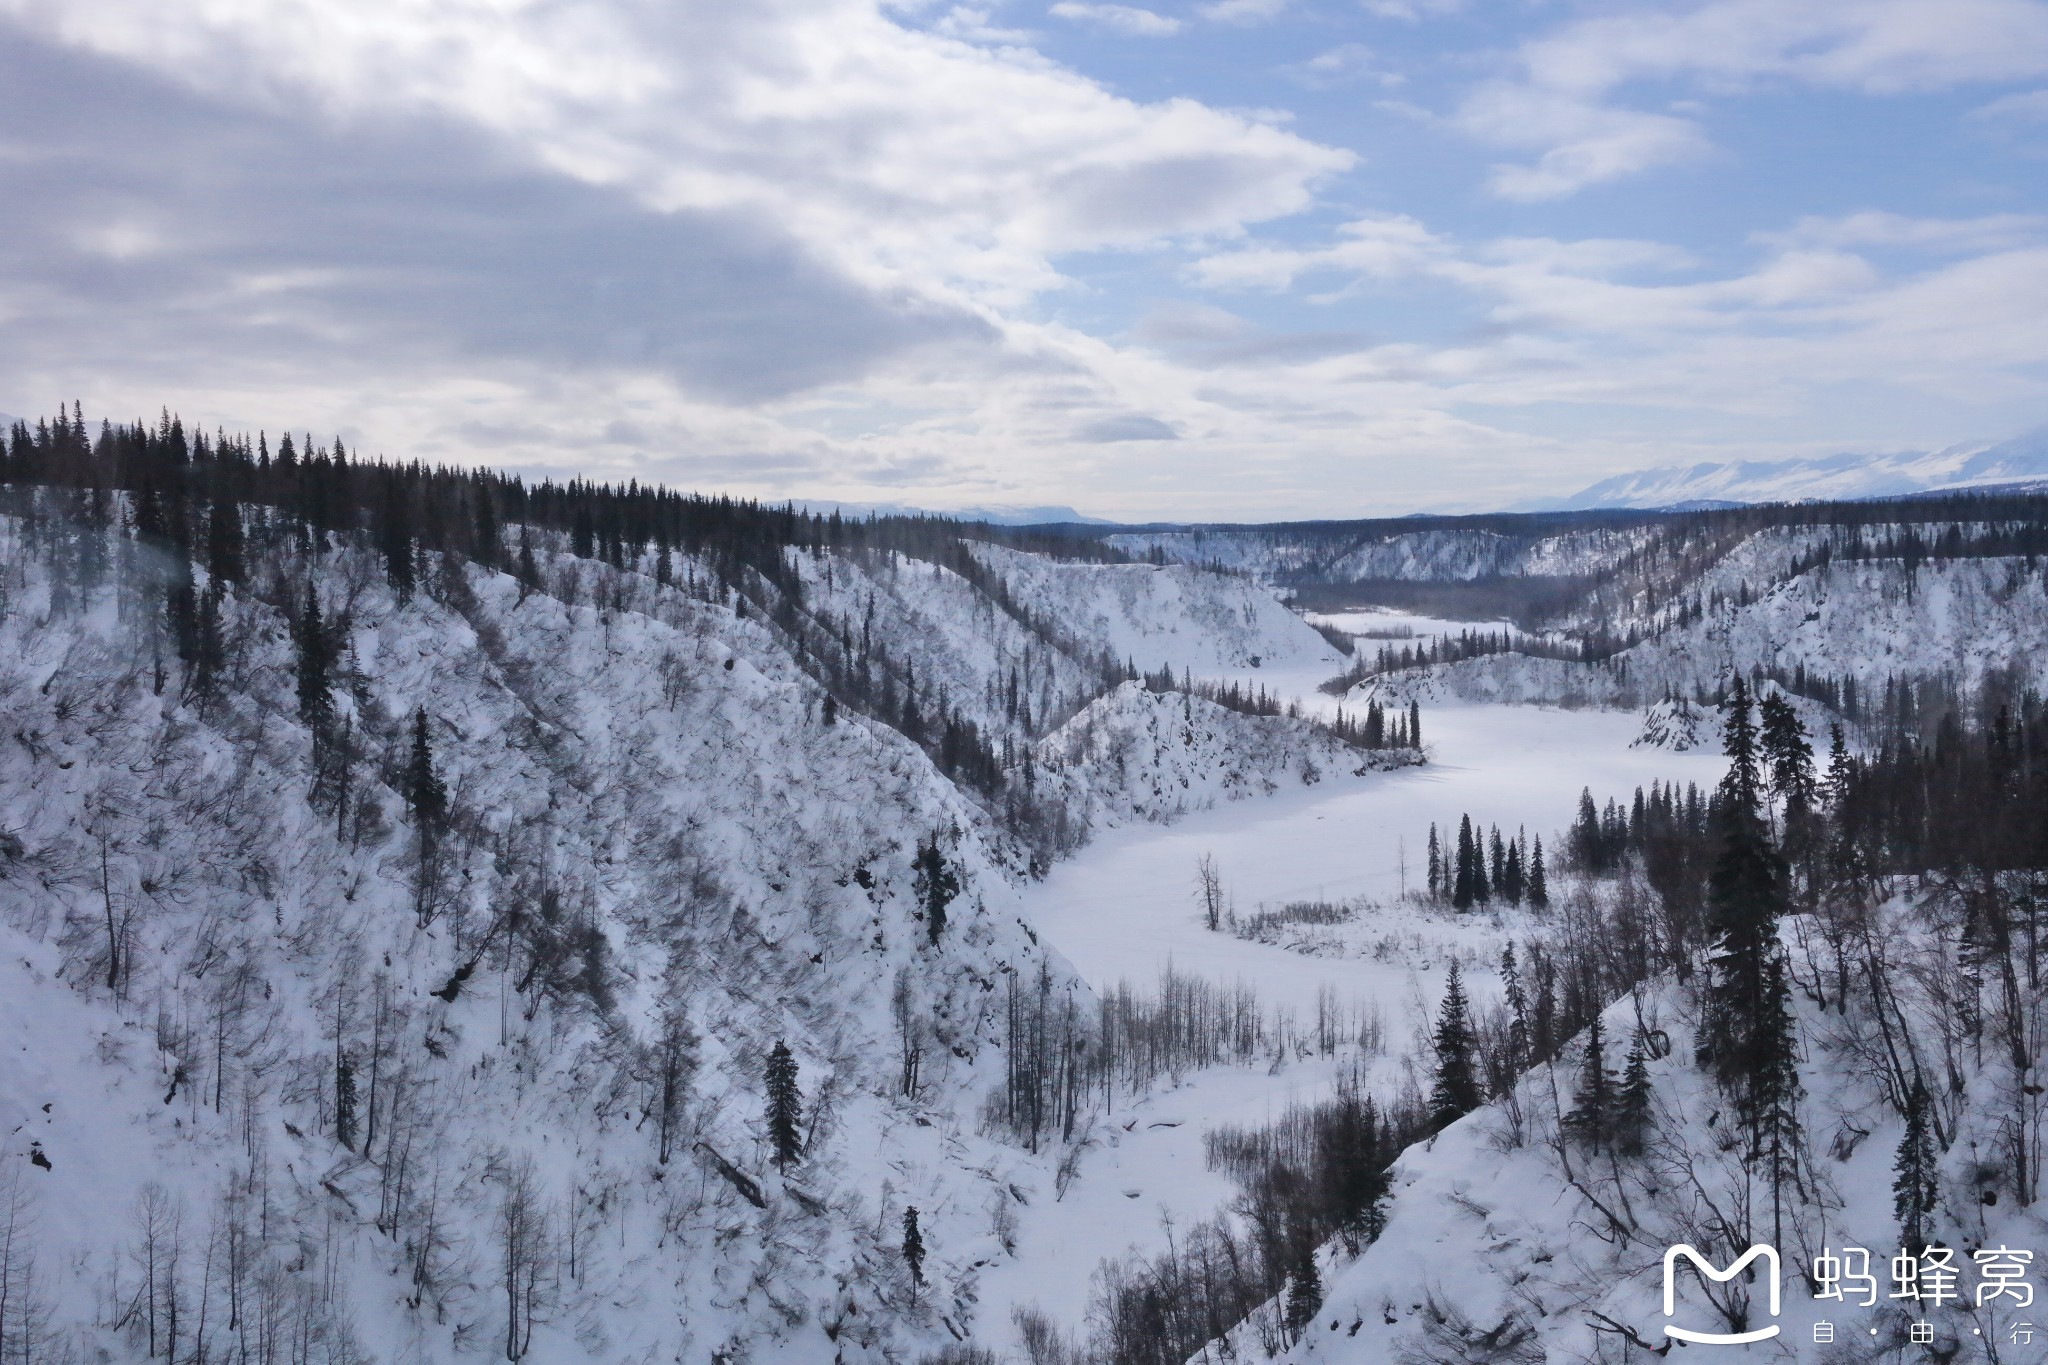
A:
{"points": [[1126, 907]]}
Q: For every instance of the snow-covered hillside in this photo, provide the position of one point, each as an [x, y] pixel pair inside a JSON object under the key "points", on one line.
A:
{"points": [[1136, 754], [405, 1087], [1508, 1240], [661, 861], [2023, 459], [1959, 621], [1335, 557], [1174, 616]]}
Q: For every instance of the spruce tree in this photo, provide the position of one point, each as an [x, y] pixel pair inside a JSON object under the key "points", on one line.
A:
{"points": [[1461, 885], [1304, 1293], [209, 647], [529, 572], [1745, 895], [395, 539], [225, 562], [1788, 753], [1633, 1101], [935, 883], [1517, 1045], [344, 1100], [1436, 864], [485, 547], [913, 1245], [1769, 1103], [1455, 1090], [425, 793], [1539, 884], [1840, 765], [1593, 1100], [1917, 1187], [1414, 725], [785, 1106], [315, 660]]}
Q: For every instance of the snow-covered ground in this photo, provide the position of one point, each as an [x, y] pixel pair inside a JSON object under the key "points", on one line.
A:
{"points": [[1125, 908], [1126, 905], [1392, 625]]}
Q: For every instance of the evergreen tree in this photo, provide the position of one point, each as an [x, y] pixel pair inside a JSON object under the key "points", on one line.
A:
{"points": [[1917, 1188], [424, 792], [395, 539], [1513, 879], [1587, 846], [209, 647], [1482, 888], [1745, 896], [485, 547], [529, 572], [1414, 725], [225, 561], [1304, 1294], [1593, 1100], [1633, 1101], [1788, 754], [1455, 1091], [315, 661], [583, 533], [1739, 742], [1769, 1103], [1517, 1044], [830, 709], [1840, 765], [1436, 864], [785, 1106], [345, 1100], [1461, 884], [1539, 884], [913, 1245], [935, 883]]}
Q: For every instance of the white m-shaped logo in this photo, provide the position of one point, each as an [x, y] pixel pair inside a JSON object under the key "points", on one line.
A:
{"points": [[1769, 1255]]}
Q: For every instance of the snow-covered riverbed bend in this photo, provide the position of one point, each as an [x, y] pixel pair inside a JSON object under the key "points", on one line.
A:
{"points": [[1126, 908]]}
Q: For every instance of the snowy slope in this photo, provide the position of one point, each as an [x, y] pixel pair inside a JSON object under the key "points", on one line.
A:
{"points": [[1173, 616], [1434, 556], [649, 812], [1005, 674], [1961, 620], [656, 835], [2021, 459], [1140, 755], [1493, 1253]]}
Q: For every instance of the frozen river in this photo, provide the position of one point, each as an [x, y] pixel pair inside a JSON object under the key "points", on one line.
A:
{"points": [[1125, 907]]}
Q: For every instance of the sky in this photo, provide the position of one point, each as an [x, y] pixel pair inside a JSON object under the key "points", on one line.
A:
{"points": [[1191, 259]]}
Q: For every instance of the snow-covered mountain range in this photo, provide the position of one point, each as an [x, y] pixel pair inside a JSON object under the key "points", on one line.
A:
{"points": [[2021, 460]]}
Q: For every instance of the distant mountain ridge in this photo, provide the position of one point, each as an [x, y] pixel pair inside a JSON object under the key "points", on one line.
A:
{"points": [[2021, 460], [995, 514]]}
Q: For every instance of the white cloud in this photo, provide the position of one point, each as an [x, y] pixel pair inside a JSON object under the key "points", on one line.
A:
{"points": [[1242, 11], [1993, 232], [908, 157], [1560, 98], [1129, 19], [1410, 10], [1343, 64], [2032, 106]]}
